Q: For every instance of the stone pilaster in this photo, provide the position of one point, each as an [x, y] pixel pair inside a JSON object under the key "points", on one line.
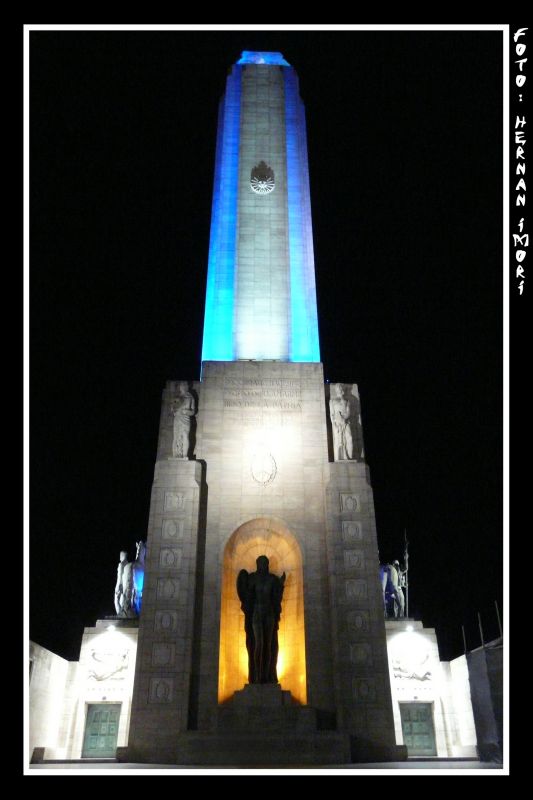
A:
{"points": [[165, 653]]}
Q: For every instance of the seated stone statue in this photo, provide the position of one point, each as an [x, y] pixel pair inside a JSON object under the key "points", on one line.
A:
{"points": [[260, 594]]}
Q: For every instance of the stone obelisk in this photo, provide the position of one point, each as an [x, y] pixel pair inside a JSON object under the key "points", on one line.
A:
{"points": [[261, 299], [261, 457]]}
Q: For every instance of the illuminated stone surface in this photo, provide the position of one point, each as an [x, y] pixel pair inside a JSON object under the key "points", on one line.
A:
{"points": [[269, 478], [261, 296], [269, 475], [258, 719], [61, 691], [418, 676], [304, 518]]}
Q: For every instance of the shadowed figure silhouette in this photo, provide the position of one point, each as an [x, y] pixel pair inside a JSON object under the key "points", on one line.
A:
{"points": [[260, 594]]}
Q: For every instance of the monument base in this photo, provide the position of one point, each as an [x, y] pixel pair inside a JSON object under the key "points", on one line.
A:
{"points": [[263, 725], [267, 749], [267, 708], [250, 749], [263, 483], [368, 752]]}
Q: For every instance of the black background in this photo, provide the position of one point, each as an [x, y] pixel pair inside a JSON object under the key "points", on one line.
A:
{"points": [[405, 157]]}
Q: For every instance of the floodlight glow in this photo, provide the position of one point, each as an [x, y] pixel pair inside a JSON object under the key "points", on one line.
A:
{"points": [[218, 323], [256, 57], [138, 579], [304, 323]]}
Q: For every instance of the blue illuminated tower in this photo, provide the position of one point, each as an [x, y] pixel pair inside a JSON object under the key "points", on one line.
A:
{"points": [[261, 298]]}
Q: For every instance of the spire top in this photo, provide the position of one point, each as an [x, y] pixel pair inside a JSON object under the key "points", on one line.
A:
{"points": [[257, 57]]}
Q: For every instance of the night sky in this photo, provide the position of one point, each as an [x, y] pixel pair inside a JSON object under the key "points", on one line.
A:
{"points": [[405, 158]]}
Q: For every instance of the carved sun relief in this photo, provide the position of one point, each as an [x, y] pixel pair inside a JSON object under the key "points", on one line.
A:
{"points": [[263, 467], [262, 179]]}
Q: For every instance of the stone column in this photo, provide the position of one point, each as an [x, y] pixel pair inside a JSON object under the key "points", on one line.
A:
{"points": [[165, 655], [362, 686]]}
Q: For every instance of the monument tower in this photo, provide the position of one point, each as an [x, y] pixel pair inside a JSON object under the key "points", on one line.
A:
{"points": [[261, 458]]}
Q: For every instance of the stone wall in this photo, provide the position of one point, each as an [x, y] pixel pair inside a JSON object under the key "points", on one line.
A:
{"points": [[49, 676], [261, 465], [418, 676]]}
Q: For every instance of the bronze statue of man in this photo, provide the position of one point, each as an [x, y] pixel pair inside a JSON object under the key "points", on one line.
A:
{"points": [[260, 594]]}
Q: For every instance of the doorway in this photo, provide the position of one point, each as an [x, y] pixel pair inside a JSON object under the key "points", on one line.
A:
{"points": [[101, 731], [418, 729]]}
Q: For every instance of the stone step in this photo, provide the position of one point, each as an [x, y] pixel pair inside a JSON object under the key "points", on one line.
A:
{"points": [[252, 749]]}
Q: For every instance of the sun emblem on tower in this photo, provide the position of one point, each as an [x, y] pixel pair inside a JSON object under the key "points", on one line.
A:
{"points": [[262, 179], [263, 466]]}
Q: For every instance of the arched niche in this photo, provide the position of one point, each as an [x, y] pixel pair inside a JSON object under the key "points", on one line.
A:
{"points": [[262, 536]]}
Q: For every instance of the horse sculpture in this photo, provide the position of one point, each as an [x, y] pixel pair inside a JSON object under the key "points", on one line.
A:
{"points": [[130, 592], [393, 599]]}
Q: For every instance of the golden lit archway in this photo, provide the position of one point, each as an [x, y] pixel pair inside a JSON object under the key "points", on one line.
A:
{"points": [[270, 537]]}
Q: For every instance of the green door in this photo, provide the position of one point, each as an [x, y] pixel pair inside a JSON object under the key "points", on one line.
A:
{"points": [[101, 731], [418, 730]]}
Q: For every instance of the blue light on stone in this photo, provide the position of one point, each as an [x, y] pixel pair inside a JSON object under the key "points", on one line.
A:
{"points": [[256, 57], [218, 322], [261, 295], [138, 577], [304, 322]]}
